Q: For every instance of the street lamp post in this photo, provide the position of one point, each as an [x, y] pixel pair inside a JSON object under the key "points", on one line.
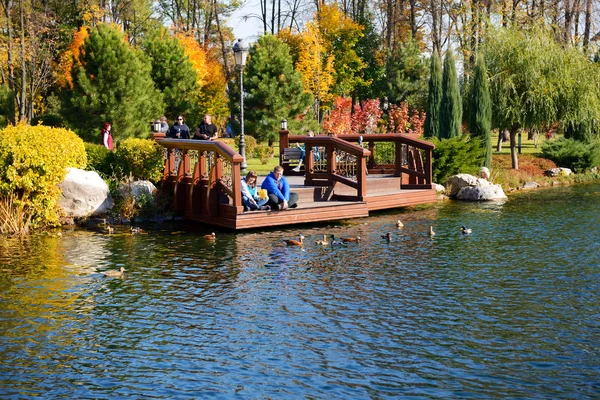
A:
{"points": [[240, 51]]}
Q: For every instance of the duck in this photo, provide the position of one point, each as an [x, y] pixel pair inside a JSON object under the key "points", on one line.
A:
{"points": [[387, 236], [135, 230], [292, 242], [465, 230], [431, 232], [110, 229], [212, 236], [335, 242], [323, 242], [114, 273], [351, 239], [399, 224]]}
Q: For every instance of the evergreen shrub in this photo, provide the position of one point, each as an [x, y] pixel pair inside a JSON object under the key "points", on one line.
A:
{"points": [[264, 153], [139, 159], [33, 162], [456, 155], [100, 159], [573, 154]]}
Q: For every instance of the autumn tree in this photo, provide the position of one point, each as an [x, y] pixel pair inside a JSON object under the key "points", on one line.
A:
{"points": [[451, 103], [172, 72], [434, 97], [111, 83], [480, 109], [316, 67], [341, 36], [273, 89]]}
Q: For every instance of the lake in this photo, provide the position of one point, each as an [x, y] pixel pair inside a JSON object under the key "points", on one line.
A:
{"points": [[510, 311]]}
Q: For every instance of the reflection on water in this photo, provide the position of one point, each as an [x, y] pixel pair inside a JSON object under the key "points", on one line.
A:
{"points": [[509, 311]]}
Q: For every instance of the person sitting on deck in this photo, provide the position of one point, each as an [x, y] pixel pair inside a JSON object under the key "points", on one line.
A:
{"points": [[250, 197], [278, 189]]}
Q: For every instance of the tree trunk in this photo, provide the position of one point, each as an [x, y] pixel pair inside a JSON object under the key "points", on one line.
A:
{"points": [[513, 148], [23, 96], [588, 23]]}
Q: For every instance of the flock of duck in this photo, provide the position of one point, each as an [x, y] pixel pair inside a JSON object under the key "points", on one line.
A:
{"points": [[347, 240], [333, 241]]}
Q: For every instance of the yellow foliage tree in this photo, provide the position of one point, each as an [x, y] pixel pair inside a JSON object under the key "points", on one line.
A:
{"points": [[340, 35], [197, 56], [317, 67]]}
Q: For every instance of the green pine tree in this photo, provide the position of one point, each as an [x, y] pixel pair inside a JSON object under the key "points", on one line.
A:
{"points": [[480, 109], [112, 84], [407, 75], [451, 105], [434, 98], [273, 89], [172, 72]]}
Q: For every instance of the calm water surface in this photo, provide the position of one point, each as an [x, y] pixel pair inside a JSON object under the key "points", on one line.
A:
{"points": [[511, 311]]}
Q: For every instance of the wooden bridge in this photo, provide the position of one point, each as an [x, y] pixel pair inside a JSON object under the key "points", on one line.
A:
{"points": [[339, 179]]}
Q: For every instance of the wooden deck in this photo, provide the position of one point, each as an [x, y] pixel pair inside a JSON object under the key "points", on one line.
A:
{"points": [[204, 178], [322, 203]]}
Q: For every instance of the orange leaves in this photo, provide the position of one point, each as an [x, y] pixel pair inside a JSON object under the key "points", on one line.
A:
{"points": [[339, 119], [65, 65], [196, 54]]}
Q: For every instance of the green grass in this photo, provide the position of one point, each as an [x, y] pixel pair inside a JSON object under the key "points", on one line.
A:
{"points": [[255, 165], [527, 146]]}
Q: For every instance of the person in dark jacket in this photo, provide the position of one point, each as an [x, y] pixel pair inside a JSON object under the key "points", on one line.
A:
{"points": [[179, 130], [207, 130], [278, 189]]}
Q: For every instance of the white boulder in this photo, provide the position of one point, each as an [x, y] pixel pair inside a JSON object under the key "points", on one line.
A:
{"points": [[84, 194], [468, 187], [137, 189]]}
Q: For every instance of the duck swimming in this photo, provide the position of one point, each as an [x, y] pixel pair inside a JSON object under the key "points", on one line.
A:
{"points": [[351, 239], [323, 242], [135, 230], [114, 273], [465, 230], [431, 232], [399, 224], [335, 242], [387, 236], [212, 236], [292, 242]]}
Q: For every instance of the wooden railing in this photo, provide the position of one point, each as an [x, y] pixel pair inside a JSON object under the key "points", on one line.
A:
{"points": [[204, 178], [410, 158], [330, 159]]}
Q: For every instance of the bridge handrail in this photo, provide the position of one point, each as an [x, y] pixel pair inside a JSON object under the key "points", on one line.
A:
{"points": [[182, 172], [410, 152]]}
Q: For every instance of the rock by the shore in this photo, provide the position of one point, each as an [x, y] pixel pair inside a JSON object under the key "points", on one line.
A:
{"points": [[84, 194], [552, 172], [469, 187], [531, 185], [137, 189]]}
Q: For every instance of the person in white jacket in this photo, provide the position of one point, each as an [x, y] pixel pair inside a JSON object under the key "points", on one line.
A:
{"points": [[250, 198]]}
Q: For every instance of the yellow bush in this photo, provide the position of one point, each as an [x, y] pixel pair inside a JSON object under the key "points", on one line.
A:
{"points": [[140, 158], [33, 161]]}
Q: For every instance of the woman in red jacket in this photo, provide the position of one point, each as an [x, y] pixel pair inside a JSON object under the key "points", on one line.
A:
{"points": [[107, 139]]}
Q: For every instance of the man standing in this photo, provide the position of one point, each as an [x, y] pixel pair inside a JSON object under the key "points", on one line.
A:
{"points": [[179, 130], [207, 130], [278, 189]]}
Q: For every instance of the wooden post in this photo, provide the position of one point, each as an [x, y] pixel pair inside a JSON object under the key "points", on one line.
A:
{"points": [[398, 160], [372, 156], [362, 178], [237, 188]]}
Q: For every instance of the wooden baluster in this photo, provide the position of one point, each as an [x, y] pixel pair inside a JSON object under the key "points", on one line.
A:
{"points": [[362, 177], [419, 165], [398, 158], [412, 179], [428, 167], [372, 156], [237, 188], [204, 183]]}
